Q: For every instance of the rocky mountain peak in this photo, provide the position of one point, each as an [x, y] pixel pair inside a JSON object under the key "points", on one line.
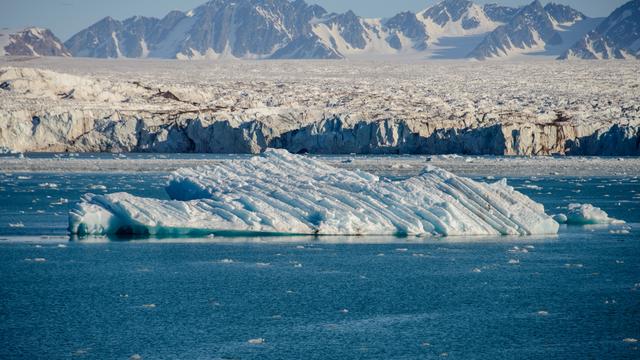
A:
{"points": [[617, 37], [563, 14], [447, 10], [500, 13], [31, 41]]}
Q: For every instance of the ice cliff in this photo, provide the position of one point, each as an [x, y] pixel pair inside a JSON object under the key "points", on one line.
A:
{"points": [[515, 108], [281, 193]]}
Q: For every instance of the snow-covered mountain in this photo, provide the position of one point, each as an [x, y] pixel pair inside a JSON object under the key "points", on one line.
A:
{"points": [[31, 41], [293, 29], [281, 29], [456, 18], [219, 28], [617, 37], [534, 28]]}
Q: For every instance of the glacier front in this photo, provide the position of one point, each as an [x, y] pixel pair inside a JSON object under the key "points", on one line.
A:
{"points": [[278, 193]]}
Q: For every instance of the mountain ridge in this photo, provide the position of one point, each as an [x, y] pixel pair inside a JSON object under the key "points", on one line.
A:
{"points": [[294, 29]]}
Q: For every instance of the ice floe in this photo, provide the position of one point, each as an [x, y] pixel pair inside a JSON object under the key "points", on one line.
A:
{"points": [[258, 341], [281, 193], [587, 214]]}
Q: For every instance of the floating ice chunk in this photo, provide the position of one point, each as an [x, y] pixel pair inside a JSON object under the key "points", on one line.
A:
{"points": [[280, 193], [97, 187], [560, 218], [258, 341], [517, 249], [630, 340], [62, 201], [16, 225], [619, 232], [587, 214], [576, 266], [49, 185]]}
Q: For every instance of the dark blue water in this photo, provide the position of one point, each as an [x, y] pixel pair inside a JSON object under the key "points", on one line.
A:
{"points": [[576, 295]]}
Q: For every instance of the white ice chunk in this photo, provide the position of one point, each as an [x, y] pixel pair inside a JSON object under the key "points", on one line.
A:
{"points": [[281, 193], [560, 218], [587, 214]]}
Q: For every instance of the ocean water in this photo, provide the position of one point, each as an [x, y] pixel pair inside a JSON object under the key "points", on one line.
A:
{"points": [[575, 295]]}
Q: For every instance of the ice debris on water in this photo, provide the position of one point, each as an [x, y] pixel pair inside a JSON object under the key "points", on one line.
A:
{"points": [[281, 193], [258, 341], [619, 232], [517, 249]]}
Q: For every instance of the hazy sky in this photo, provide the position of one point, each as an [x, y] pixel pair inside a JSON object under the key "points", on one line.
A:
{"points": [[66, 17]]}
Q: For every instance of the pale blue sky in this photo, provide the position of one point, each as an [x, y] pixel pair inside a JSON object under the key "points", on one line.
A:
{"points": [[66, 17]]}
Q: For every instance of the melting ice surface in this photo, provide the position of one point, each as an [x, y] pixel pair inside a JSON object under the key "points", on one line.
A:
{"points": [[281, 193]]}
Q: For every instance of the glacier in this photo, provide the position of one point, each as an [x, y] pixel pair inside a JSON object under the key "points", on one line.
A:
{"points": [[278, 193], [85, 105]]}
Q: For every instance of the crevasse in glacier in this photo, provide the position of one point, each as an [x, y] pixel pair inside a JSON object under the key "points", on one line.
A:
{"points": [[280, 193]]}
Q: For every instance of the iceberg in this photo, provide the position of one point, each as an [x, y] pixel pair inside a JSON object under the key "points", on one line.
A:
{"points": [[278, 193], [587, 214]]}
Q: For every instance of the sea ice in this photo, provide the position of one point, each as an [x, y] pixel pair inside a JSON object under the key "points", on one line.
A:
{"points": [[281, 193], [587, 214]]}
